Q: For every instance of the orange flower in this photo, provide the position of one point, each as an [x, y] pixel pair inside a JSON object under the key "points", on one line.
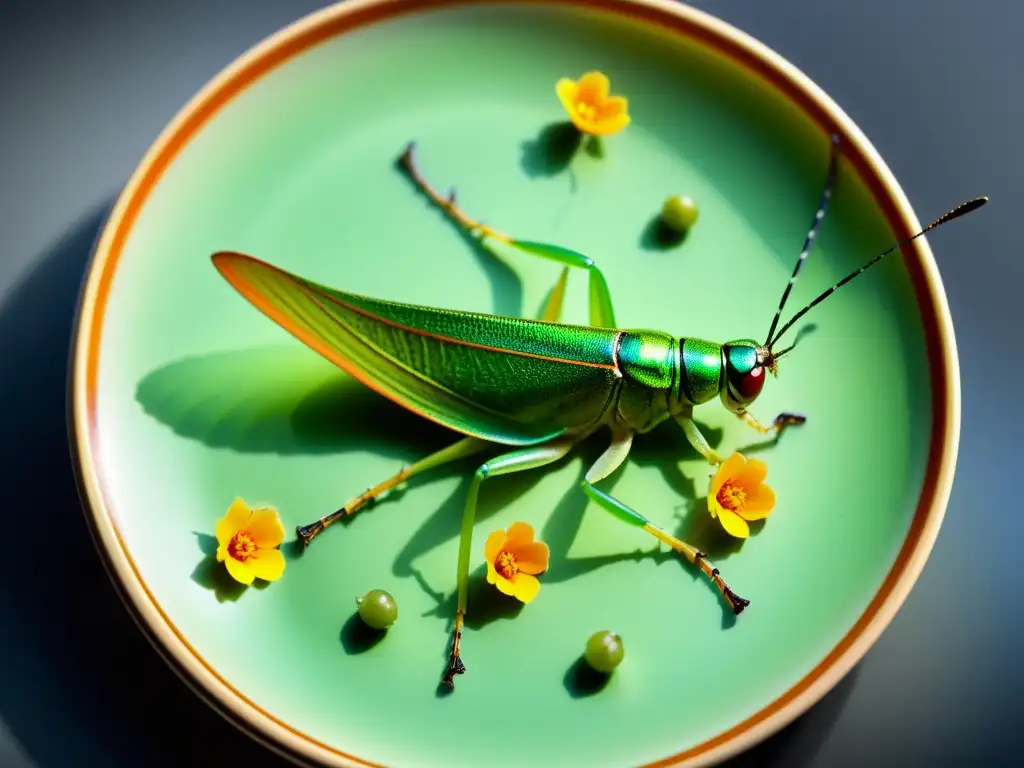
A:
{"points": [[590, 107], [738, 494], [247, 542], [514, 559]]}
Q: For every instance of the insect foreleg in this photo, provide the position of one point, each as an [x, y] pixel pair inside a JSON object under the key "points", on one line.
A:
{"points": [[465, 447], [696, 438], [602, 314], [608, 463], [515, 461], [781, 421]]}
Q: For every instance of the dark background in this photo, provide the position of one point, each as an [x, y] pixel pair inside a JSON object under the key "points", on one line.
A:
{"points": [[86, 86]]}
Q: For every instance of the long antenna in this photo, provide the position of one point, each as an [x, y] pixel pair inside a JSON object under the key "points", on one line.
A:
{"points": [[960, 210], [815, 225]]}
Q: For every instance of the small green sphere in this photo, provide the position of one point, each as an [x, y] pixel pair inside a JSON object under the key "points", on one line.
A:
{"points": [[604, 651], [679, 212], [378, 609]]}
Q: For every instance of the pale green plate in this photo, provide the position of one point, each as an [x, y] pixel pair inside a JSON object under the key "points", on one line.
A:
{"points": [[185, 396]]}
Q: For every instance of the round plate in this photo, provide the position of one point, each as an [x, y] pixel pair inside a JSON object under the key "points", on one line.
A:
{"points": [[186, 397]]}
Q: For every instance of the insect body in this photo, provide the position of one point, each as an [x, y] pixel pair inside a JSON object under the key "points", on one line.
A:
{"points": [[537, 387]]}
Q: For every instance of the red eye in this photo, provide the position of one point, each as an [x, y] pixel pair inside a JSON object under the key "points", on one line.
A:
{"points": [[748, 386]]}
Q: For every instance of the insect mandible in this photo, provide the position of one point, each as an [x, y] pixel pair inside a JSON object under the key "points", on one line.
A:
{"points": [[535, 386]]}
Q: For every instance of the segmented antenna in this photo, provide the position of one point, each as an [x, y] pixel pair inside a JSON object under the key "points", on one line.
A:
{"points": [[815, 225], [960, 210]]}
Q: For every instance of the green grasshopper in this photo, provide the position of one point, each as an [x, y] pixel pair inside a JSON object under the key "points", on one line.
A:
{"points": [[539, 387]]}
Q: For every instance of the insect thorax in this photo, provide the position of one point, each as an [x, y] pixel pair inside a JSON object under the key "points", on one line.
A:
{"points": [[702, 371]]}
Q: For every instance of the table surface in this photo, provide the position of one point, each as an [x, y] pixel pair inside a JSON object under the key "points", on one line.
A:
{"points": [[86, 86]]}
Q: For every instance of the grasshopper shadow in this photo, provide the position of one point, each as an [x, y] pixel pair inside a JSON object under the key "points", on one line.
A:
{"points": [[488, 603], [664, 448], [281, 400]]}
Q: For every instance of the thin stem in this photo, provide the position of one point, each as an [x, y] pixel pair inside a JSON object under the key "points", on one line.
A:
{"points": [[781, 421], [464, 447], [455, 665], [698, 558], [447, 204], [309, 532]]}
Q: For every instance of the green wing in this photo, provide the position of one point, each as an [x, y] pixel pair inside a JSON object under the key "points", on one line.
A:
{"points": [[504, 379]]}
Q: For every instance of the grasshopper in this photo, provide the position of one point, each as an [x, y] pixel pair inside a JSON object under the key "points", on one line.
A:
{"points": [[537, 387]]}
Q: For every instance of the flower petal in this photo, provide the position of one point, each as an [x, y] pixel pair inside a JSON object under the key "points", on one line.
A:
{"points": [[236, 516], [713, 506], [266, 564], [566, 90], [608, 126], [518, 535], [752, 474], [582, 124], [734, 524], [729, 468], [266, 528], [612, 107], [759, 503], [239, 571], [525, 587], [493, 545], [592, 88], [222, 553], [504, 585], [533, 557]]}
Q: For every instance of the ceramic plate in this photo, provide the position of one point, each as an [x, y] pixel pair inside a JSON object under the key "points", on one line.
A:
{"points": [[185, 396]]}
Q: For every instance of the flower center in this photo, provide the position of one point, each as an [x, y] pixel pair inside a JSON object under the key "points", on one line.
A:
{"points": [[506, 565], [242, 546], [586, 111], [732, 497]]}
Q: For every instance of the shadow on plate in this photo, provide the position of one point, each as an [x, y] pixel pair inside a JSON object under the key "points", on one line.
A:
{"points": [[799, 742], [287, 400], [658, 236], [552, 150], [58, 662], [64, 628]]}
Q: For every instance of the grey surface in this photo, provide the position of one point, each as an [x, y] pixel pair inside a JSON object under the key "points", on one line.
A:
{"points": [[86, 87]]}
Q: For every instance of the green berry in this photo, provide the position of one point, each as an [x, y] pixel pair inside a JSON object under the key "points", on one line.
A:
{"points": [[679, 212], [604, 651], [377, 608]]}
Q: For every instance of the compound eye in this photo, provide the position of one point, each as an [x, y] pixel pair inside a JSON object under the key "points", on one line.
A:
{"points": [[749, 385]]}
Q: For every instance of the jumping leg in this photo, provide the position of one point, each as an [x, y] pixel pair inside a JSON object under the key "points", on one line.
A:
{"points": [[465, 447], [608, 463], [515, 461], [602, 313]]}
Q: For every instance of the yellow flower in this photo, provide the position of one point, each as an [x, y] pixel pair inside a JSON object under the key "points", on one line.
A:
{"points": [[738, 494], [514, 559], [590, 107], [247, 542]]}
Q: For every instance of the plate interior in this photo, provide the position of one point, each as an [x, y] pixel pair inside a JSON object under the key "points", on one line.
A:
{"points": [[202, 399]]}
